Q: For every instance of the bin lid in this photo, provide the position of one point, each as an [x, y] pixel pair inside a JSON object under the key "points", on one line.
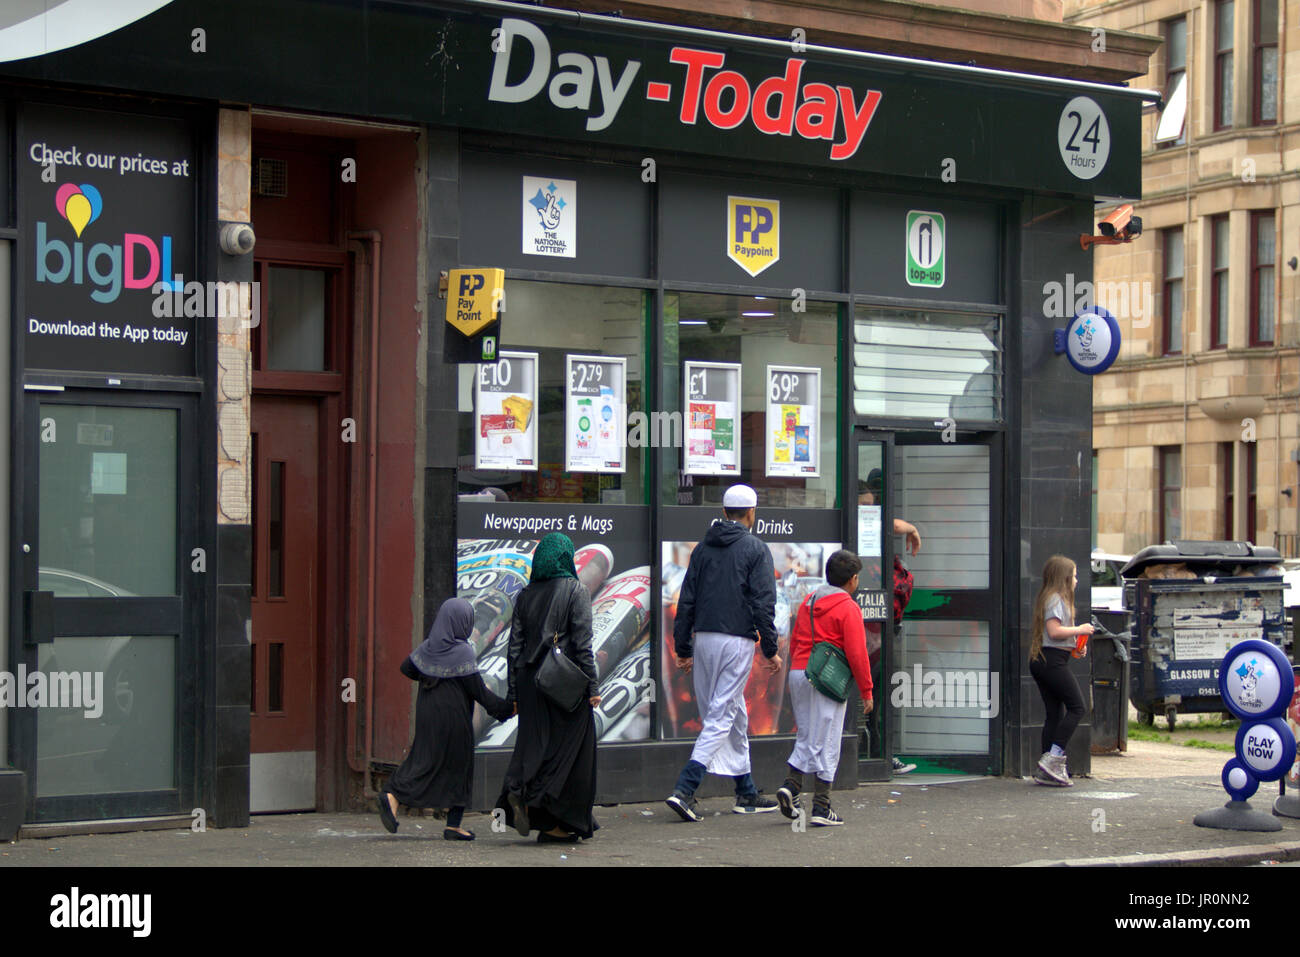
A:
{"points": [[1202, 557]]}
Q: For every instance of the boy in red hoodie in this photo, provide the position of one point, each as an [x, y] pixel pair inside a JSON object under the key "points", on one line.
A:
{"points": [[820, 719]]}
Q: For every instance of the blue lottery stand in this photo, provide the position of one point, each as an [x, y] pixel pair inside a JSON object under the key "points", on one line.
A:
{"points": [[1256, 682]]}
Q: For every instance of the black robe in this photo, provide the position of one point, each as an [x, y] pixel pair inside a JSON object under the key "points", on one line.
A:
{"points": [[553, 767], [439, 770]]}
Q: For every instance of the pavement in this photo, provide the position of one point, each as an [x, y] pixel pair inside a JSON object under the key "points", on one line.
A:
{"points": [[1135, 809]]}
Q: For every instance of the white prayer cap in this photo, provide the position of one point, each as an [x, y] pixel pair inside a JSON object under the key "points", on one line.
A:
{"points": [[740, 496]]}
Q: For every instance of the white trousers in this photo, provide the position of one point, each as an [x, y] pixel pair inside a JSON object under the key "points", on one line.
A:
{"points": [[820, 726], [721, 667]]}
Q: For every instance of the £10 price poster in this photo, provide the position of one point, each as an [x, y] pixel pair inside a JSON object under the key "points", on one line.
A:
{"points": [[712, 426], [596, 406], [505, 413], [793, 418]]}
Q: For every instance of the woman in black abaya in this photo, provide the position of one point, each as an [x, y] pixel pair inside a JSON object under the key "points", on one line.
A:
{"points": [[550, 784], [438, 771]]}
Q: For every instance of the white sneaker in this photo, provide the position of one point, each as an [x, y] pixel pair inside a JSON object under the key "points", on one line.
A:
{"points": [[1053, 765]]}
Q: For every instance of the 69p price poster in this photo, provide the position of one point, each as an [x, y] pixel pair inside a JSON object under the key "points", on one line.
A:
{"points": [[505, 413], [793, 418]]}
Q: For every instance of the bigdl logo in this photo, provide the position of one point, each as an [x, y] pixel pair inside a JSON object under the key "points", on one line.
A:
{"points": [[111, 268], [753, 232]]}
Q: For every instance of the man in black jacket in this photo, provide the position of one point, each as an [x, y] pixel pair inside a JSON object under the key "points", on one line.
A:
{"points": [[732, 572]]}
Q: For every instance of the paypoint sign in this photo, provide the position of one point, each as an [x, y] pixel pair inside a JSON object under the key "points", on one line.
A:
{"points": [[753, 232], [474, 299]]}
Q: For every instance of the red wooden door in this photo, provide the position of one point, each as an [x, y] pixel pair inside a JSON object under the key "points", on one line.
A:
{"points": [[285, 602]]}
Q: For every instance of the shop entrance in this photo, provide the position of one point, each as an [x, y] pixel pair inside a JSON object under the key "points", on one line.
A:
{"points": [[286, 580], [110, 585], [944, 687]]}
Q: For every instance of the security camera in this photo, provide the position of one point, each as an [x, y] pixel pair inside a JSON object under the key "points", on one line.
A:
{"points": [[237, 239], [717, 323], [1121, 226]]}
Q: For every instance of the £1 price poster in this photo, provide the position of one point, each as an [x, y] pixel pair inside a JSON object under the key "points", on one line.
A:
{"points": [[794, 396], [595, 411], [505, 413], [712, 418]]}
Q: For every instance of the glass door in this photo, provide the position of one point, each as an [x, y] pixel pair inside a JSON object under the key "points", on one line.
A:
{"points": [[109, 490], [875, 595]]}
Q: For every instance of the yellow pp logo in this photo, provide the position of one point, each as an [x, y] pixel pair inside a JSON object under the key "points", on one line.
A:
{"points": [[474, 298], [753, 232]]}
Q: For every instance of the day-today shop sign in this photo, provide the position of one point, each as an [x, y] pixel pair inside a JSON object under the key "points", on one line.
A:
{"points": [[612, 82]]}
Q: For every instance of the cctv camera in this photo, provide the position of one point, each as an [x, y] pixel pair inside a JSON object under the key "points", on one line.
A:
{"points": [[237, 239], [1118, 220], [717, 323]]}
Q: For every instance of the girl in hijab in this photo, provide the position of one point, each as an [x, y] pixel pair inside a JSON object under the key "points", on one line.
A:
{"points": [[438, 771], [550, 783]]}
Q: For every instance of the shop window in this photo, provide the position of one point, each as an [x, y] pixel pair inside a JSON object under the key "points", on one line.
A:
{"points": [[778, 436], [1172, 318], [108, 498], [1262, 253], [1264, 63], [1252, 479], [1171, 488], [548, 323], [1219, 311], [927, 365], [1223, 33], [1171, 130], [131, 744], [296, 326], [1226, 479], [1095, 474]]}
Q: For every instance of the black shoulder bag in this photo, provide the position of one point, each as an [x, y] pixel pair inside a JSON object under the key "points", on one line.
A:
{"points": [[558, 678]]}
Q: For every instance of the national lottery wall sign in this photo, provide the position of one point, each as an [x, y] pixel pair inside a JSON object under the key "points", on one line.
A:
{"points": [[106, 215], [505, 413], [794, 395], [550, 217]]}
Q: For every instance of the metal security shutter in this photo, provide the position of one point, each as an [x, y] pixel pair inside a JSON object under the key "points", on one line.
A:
{"points": [[944, 491], [927, 365]]}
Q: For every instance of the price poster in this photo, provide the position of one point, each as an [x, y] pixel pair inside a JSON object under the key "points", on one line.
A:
{"points": [[505, 413], [793, 418], [869, 530], [595, 413], [712, 426]]}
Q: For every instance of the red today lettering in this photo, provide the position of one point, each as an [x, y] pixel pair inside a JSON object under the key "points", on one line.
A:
{"points": [[816, 117]]}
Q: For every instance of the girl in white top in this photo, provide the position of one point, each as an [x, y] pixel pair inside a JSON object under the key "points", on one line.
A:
{"points": [[1055, 638]]}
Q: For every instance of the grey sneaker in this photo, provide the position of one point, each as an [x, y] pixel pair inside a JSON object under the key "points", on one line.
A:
{"points": [[1042, 777], [1053, 765], [687, 808], [754, 804], [825, 816], [787, 797], [901, 768]]}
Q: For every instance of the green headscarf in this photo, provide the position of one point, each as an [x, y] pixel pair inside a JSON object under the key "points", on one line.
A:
{"points": [[553, 559]]}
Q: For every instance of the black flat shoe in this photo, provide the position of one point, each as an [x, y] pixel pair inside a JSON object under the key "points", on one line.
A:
{"points": [[451, 834], [544, 838], [386, 813], [520, 812]]}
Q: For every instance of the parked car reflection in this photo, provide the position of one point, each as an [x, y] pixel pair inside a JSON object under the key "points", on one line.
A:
{"points": [[109, 655]]}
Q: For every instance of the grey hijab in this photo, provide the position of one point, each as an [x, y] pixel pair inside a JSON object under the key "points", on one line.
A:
{"points": [[447, 653]]}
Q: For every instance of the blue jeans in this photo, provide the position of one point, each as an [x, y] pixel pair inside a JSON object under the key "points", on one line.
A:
{"points": [[692, 776]]}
